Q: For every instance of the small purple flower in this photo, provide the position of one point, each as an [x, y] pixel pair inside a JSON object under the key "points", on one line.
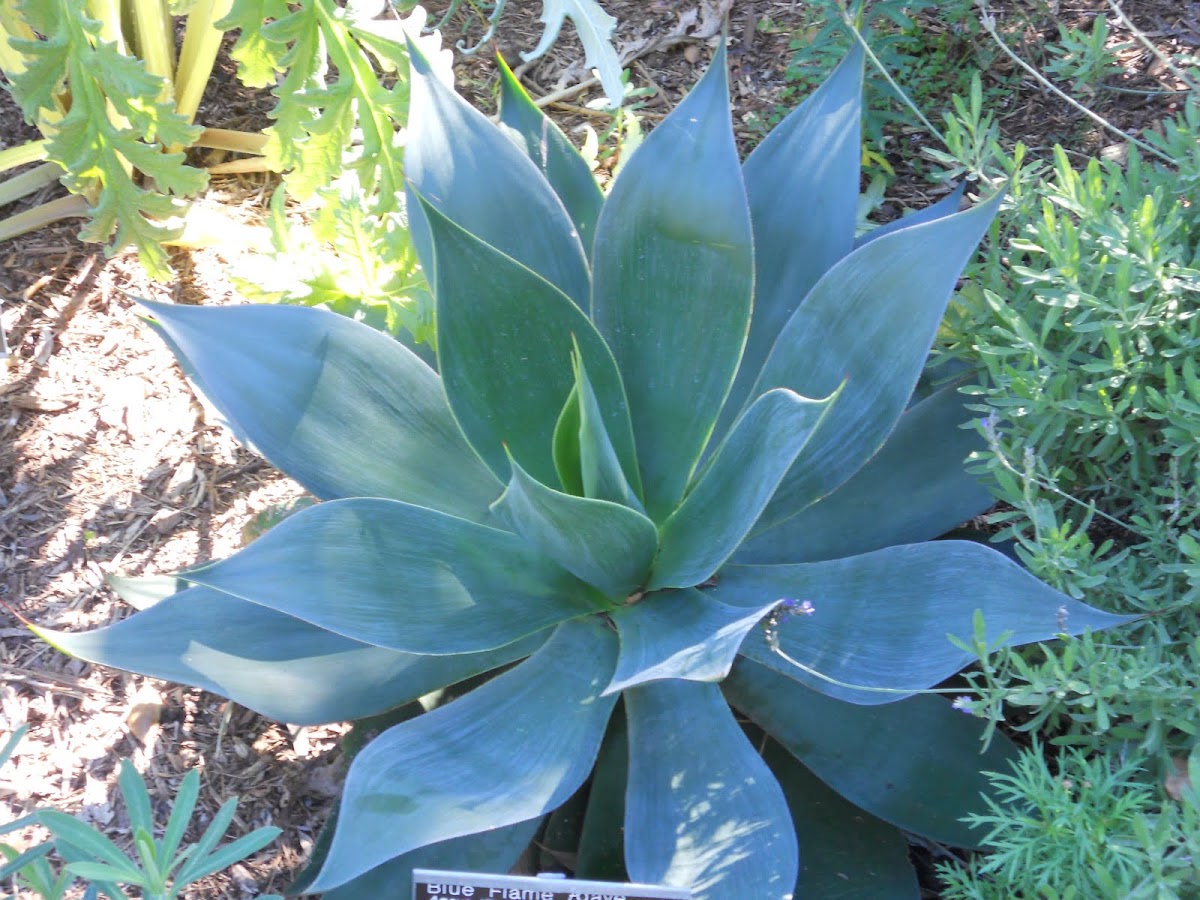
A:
{"points": [[797, 607], [963, 704]]}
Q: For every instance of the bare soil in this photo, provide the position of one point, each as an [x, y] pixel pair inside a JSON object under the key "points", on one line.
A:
{"points": [[110, 465]]}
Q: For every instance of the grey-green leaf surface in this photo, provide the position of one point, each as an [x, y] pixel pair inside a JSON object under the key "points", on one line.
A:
{"points": [[802, 184], [601, 845], [881, 620], [673, 274], [566, 446], [551, 151], [846, 853], [454, 157], [283, 668], [605, 544], [508, 751], [680, 634], [505, 337], [494, 850], [917, 763], [721, 507], [868, 322], [401, 577], [948, 205], [343, 409], [702, 809], [916, 488]]}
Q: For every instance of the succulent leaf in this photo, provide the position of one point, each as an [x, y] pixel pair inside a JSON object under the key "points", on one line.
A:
{"points": [[544, 143], [673, 276], [508, 751], [605, 544], [869, 322], [496, 850], [401, 577], [881, 619], [455, 157], [879, 757], [702, 808], [506, 361], [602, 475], [914, 489], [802, 184], [947, 206], [278, 666], [729, 494], [338, 406], [679, 634], [601, 845], [837, 837]]}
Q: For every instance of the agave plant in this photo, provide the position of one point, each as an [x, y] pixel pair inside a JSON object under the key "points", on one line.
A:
{"points": [[660, 518]]}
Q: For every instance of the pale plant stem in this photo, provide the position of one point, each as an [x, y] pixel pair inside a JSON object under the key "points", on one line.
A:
{"points": [[829, 679], [988, 21], [1149, 45], [879, 67]]}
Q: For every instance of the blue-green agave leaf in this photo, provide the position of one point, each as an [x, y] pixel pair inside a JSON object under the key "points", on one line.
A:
{"points": [[508, 751], [673, 273], [848, 853], [914, 489], [145, 591], [505, 338], [948, 205], [544, 143], [702, 810], [495, 850], [917, 763], [455, 157], [401, 577], [601, 473], [343, 409], [869, 322], [283, 668], [802, 183], [601, 853], [605, 544], [881, 620], [732, 490], [679, 634]]}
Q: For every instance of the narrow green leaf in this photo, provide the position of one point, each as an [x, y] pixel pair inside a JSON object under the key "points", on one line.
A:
{"points": [[137, 798], [11, 744], [917, 763], [181, 815], [602, 474], [208, 841], [505, 337], [544, 143], [607, 545], [510, 750], [914, 489], [602, 844], [673, 275], [338, 406], [283, 668], [68, 829], [848, 853], [882, 619], [802, 184], [868, 322], [702, 809], [566, 446], [735, 487], [495, 850], [455, 156], [94, 871], [233, 852], [679, 634], [401, 577]]}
